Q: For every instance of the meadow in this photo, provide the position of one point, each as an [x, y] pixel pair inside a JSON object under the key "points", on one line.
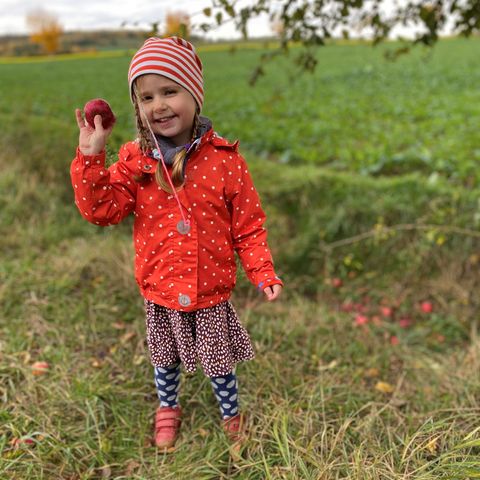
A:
{"points": [[367, 172]]}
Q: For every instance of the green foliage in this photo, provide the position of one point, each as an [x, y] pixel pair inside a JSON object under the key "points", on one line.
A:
{"points": [[311, 23], [357, 113], [395, 143], [346, 192]]}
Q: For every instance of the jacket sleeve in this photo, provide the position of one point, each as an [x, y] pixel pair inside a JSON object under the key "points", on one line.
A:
{"points": [[103, 196], [248, 233]]}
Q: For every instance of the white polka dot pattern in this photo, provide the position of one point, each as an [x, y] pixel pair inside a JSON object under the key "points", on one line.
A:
{"points": [[219, 200], [167, 381], [228, 387], [213, 336]]}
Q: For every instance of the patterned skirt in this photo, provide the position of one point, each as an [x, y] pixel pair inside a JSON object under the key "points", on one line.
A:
{"points": [[212, 336]]}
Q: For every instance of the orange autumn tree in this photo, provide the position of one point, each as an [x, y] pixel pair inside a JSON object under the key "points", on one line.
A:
{"points": [[177, 23], [45, 30]]}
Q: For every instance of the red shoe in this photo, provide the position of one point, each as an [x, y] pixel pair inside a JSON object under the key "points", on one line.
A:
{"points": [[234, 427], [167, 426]]}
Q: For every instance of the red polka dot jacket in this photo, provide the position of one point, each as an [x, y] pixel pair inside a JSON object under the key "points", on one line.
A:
{"points": [[182, 270]]}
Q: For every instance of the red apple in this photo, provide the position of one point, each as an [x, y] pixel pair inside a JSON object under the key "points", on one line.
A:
{"points": [[17, 442], [361, 319], [405, 322], [386, 311], [98, 106], [394, 340], [426, 307], [40, 368], [337, 282], [347, 307]]}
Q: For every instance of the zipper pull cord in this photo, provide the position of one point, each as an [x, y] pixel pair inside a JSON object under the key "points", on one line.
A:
{"points": [[185, 220]]}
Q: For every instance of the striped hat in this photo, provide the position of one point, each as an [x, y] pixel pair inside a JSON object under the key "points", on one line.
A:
{"points": [[173, 58]]}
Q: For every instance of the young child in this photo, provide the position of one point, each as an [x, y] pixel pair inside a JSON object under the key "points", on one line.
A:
{"points": [[194, 204]]}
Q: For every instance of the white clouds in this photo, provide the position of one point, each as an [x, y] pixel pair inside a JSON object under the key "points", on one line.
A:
{"points": [[110, 14]]}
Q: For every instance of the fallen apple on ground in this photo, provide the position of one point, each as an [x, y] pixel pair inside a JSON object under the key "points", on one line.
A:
{"points": [[426, 307], [361, 319], [40, 368], [386, 311]]}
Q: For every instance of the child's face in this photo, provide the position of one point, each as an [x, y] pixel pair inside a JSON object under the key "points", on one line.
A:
{"points": [[169, 107]]}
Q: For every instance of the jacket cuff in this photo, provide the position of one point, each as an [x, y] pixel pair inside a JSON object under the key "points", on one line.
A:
{"points": [[269, 282], [98, 159]]}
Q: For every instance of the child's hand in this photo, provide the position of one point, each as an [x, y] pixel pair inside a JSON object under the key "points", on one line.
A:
{"points": [[272, 292], [91, 140]]}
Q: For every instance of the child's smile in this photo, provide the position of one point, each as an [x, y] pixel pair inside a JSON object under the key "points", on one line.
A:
{"points": [[170, 108], [165, 124]]}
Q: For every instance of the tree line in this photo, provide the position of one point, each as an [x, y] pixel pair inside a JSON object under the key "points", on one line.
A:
{"points": [[307, 22]]}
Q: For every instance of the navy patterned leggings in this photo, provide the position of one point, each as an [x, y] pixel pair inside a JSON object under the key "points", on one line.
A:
{"points": [[225, 388]]}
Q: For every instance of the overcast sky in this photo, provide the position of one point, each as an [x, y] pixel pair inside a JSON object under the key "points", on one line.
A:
{"points": [[109, 14]]}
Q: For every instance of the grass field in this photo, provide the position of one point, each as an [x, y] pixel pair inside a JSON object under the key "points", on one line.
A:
{"points": [[367, 171], [357, 113]]}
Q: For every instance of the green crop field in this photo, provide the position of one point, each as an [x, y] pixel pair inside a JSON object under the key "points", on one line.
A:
{"points": [[367, 170], [357, 113]]}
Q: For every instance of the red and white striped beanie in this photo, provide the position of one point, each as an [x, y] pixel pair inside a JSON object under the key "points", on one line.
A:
{"points": [[172, 57]]}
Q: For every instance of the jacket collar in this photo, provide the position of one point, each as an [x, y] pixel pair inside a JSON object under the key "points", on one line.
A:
{"points": [[169, 149]]}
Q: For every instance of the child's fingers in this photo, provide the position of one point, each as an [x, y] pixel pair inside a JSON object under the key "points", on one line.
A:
{"points": [[98, 124], [277, 290], [268, 292], [272, 292], [78, 116]]}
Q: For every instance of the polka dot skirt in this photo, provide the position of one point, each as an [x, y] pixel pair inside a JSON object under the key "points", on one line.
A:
{"points": [[212, 336]]}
